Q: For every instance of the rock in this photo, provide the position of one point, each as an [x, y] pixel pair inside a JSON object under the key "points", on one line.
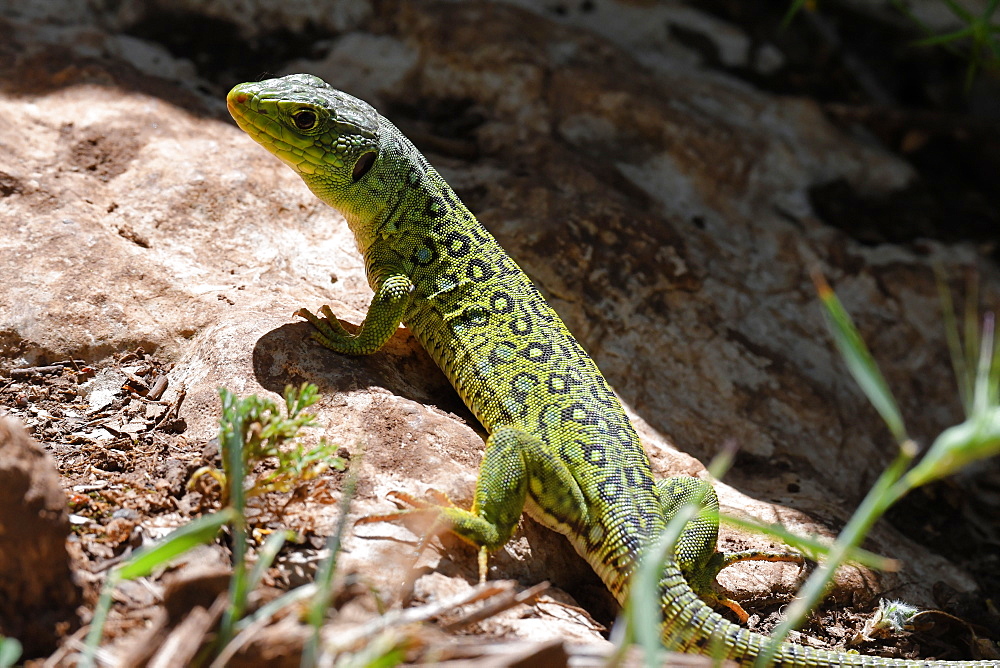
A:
{"points": [[38, 596], [662, 207]]}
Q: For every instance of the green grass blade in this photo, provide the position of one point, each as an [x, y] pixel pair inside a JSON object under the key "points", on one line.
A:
{"points": [[954, 340], [96, 630], [793, 9], [10, 651], [946, 38], [875, 503], [200, 531], [324, 577], [985, 392], [810, 546], [271, 608], [644, 610], [232, 441], [145, 561], [970, 319], [643, 613], [859, 360], [960, 11], [266, 555], [251, 624]]}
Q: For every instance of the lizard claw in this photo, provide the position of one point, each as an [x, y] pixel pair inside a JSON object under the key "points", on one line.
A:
{"points": [[734, 606], [434, 514], [437, 500], [429, 512]]}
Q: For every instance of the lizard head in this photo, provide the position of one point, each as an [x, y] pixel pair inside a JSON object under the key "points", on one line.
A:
{"points": [[329, 138]]}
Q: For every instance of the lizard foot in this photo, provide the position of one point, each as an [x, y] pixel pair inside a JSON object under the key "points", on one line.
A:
{"points": [[439, 515], [326, 330], [703, 582]]}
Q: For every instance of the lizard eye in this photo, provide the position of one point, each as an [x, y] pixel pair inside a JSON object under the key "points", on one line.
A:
{"points": [[305, 119], [362, 166]]}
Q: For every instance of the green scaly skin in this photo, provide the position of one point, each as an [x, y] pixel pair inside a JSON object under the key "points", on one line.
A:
{"points": [[560, 445]]}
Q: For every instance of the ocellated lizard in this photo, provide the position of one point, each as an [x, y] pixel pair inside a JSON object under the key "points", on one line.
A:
{"points": [[560, 445]]}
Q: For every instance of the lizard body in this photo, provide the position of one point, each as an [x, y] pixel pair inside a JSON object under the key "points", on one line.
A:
{"points": [[560, 446]]}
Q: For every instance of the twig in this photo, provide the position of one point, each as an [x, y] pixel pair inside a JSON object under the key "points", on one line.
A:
{"points": [[174, 409], [498, 604], [345, 640], [35, 371]]}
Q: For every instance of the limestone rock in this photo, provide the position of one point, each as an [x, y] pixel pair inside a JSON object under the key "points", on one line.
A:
{"points": [[34, 525], [663, 208]]}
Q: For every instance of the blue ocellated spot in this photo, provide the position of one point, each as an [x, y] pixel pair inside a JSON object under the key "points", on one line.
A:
{"points": [[523, 383], [514, 408], [548, 418], [425, 253], [446, 282], [503, 353]]}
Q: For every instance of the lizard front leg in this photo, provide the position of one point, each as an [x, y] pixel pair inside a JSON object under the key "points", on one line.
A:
{"points": [[392, 296]]}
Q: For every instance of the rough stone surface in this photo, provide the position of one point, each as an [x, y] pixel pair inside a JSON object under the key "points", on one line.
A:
{"points": [[662, 208], [34, 526]]}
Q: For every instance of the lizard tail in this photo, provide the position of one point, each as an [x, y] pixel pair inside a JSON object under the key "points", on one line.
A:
{"points": [[690, 625]]}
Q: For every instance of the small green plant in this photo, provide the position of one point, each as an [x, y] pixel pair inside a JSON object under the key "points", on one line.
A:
{"points": [[980, 32], [145, 561], [264, 436], [643, 612], [977, 369], [978, 437], [977, 41], [251, 431]]}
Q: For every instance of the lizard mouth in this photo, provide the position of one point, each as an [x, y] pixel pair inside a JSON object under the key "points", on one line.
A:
{"points": [[245, 108], [234, 101]]}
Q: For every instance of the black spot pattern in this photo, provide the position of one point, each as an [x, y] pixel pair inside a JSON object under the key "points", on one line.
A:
{"points": [[610, 488], [516, 365], [593, 452], [558, 383], [457, 244], [475, 316], [479, 271], [501, 303], [436, 207], [520, 325], [538, 352]]}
